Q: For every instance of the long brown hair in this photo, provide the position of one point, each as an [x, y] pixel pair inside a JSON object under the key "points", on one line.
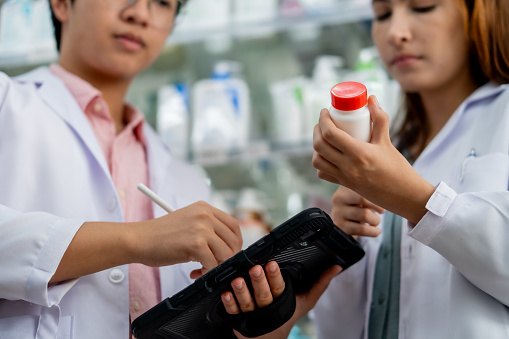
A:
{"points": [[486, 24]]}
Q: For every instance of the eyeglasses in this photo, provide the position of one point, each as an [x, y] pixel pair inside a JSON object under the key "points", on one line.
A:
{"points": [[162, 12]]}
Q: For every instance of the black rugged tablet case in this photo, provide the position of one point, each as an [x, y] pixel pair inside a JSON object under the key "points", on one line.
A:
{"points": [[303, 246]]}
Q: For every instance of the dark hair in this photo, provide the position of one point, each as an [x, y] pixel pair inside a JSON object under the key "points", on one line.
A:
{"points": [[57, 25], [487, 30]]}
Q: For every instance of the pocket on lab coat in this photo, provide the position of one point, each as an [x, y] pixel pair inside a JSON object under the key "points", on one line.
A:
{"points": [[21, 327], [25, 327], [485, 173]]}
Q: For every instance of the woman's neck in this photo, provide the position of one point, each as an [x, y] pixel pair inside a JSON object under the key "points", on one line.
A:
{"points": [[440, 103]]}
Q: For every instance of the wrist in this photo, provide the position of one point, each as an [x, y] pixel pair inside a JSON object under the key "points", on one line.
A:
{"points": [[423, 194], [132, 241]]}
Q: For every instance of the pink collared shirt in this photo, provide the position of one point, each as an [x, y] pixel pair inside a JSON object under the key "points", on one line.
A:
{"points": [[126, 157]]}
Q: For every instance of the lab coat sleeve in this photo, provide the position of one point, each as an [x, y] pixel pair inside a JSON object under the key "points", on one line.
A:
{"points": [[32, 245], [470, 230]]}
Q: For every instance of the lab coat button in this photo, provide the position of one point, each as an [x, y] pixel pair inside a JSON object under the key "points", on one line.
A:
{"points": [[112, 204], [116, 276], [98, 107]]}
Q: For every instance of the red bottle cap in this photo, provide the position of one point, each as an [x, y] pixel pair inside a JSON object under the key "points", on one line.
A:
{"points": [[349, 96]]}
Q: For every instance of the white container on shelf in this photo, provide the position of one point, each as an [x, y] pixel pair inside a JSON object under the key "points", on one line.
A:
{"points": [[254, 11], [221, 111], [203, 15], [350, 111], [173, 119], [326, 73], [288, 110], [16, 20]]}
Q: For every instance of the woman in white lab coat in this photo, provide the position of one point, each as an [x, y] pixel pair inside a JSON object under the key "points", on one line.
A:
{"points": [[449, 274]]}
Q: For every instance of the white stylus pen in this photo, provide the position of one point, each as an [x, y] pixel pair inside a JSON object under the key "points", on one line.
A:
{"points": [[155, 198]]}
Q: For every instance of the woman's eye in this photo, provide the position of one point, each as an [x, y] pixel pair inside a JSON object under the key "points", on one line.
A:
{"points": [[383, 16], [424, 9], [163, 3]]}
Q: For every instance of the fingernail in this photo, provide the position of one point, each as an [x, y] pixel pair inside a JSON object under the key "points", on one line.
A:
{"points": [[323, 111], [257, 272], [238, 285], [227, 297], [376, 101], [272, 268]]}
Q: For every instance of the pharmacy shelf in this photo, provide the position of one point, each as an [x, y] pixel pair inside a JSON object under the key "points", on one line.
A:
{"points": [[343, 12], [256, 151]]}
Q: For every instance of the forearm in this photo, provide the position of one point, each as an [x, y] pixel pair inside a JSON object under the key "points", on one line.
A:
{"points": [[95, 247]]}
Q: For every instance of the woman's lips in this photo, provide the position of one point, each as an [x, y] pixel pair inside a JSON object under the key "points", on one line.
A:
{"points": [[402, 60]]}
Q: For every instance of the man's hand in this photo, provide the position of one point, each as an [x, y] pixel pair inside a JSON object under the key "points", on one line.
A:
{"points": [[198, 232]]}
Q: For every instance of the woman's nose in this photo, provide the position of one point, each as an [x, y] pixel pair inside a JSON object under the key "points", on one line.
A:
{"points": [[400, 28]]}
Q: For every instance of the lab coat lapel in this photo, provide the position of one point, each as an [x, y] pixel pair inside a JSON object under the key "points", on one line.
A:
{"points": [[58, 97], [159, 161]]}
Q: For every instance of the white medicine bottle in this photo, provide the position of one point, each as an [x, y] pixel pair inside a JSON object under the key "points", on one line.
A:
{"points": [[350, 111]]}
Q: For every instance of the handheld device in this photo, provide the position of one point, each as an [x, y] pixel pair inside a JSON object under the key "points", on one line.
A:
{"points": [[304, 246]]}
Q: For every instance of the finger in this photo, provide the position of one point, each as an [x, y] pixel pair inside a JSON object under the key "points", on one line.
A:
{"points": [[336, 137], [328, 169], [380, 121], [356, 229], [361, 214], [243, 296], [226, 234], [261, 288], [205, 257], [231, 223], [324, 176], [195, 274], [346, 196], [229, 303], [368, 204], [219, 248], [275, 279]]}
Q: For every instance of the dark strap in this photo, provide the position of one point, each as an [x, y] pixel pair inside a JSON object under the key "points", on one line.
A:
{"points": [[384, 314], [267, 319]]}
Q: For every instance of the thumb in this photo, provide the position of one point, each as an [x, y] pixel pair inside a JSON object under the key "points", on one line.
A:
{"points": [[380, 121]]}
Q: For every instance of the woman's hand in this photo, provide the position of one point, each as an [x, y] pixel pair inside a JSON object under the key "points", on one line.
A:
{"points": [[267, 286], [375, 170], [354, 214]]}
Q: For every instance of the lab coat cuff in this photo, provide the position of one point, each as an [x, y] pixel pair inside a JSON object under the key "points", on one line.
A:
{"points": [[48, 259], [438, 206]]}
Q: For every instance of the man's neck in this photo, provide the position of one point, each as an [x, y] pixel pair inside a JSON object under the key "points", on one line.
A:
{"points": [[113, 91]]}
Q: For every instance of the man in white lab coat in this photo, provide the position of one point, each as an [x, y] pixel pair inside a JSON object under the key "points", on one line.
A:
{"points": [[71, 153]]}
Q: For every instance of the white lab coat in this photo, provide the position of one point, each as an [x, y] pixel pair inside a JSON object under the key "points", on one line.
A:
{"points": [[455, 262], [50, 161]]}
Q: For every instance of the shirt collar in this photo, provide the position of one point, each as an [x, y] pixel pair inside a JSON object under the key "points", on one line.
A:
{"points": [[135, 121], [84, 93], [81, 90]]}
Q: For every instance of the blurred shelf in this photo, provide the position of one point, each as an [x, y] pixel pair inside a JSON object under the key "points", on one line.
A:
{"points": [[257, 151], [343, 12]]}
